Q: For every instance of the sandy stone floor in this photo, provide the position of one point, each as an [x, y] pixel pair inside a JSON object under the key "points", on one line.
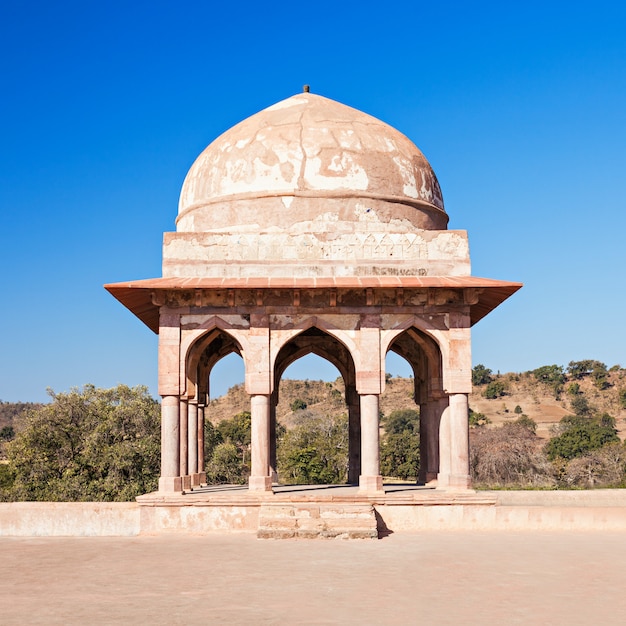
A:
{"points": [[413, 578]]}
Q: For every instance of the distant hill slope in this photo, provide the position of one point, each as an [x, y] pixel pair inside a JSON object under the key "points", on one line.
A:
{"points": [[10, 410], [538, 401], [534, 398]]}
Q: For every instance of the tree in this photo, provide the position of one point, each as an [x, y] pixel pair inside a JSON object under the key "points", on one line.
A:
{"points": [[7, 433], [481, 375], [551, 376], [580, 369], [90, 444], [298, 405], [508, 455], [399, 449], [580, 406], [581, 435], [573, 389], [227, 449], [495, 389], [237, 430], [600, 375], [225, 465], [400, 421], [315, 450], [527, 422], [477, 419], [400, 455], [600, 467]]}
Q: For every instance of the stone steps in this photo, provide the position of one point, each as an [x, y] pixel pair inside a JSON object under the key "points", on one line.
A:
{"points": [[317, 521]]}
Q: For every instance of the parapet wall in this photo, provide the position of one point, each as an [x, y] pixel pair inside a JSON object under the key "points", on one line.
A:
{"points": [[515, 511], [69, 519]]}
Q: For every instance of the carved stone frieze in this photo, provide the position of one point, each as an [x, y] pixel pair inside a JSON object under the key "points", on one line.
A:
{"points": [[318, 298]]}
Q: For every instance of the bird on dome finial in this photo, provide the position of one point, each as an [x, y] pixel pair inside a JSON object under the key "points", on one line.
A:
{"points": [[306, 88]]}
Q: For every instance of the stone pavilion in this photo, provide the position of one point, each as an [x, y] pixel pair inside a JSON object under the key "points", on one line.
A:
{"points": [[312, 227]]}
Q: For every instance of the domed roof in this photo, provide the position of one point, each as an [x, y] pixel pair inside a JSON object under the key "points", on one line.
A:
{"points": [[308, 160]]}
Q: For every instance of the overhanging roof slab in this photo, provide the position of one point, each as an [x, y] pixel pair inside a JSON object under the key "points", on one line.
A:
{"points": [[137, 295]]}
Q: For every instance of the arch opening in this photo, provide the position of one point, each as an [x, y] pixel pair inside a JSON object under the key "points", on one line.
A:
{"points": [[422, 356], [319, 443], [214, 364]]}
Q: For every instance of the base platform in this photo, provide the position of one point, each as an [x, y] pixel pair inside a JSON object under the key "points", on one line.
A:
{"points": [[305, 511], [320, 511]]}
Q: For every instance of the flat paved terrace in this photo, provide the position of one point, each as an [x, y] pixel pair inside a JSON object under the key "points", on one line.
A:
{"points": [[446, 577], [397, 493], [393, 493]]}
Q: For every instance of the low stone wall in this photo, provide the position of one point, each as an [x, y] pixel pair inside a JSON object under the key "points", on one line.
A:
{"points": [[601, 509], [164, 519], [563, 510], [477, 517], [69, 519]]}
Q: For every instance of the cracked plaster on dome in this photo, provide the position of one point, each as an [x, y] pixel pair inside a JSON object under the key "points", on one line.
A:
{"points": [[310, 187]]}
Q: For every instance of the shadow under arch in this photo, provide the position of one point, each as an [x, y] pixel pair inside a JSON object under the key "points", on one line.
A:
{"points": [[317, 341], [423, 354]]}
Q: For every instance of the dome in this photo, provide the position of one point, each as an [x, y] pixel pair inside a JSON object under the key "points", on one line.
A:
{"points": [[308, 161]]}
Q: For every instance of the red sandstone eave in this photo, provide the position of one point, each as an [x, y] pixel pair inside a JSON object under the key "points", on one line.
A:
{"points": [[136, 295]]}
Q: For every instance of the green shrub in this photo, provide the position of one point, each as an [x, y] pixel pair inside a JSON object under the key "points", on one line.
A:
{"points": [[477, 419], [495, 389], [581, 435], [481, 375], [298, 405]]}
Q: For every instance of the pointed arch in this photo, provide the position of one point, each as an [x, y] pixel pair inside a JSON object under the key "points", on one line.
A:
{"points": [[315, 339], [282, 337], [202, 348]]}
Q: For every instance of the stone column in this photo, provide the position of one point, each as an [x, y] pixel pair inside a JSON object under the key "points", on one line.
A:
{"points": [[430, 418], [454, 444], [425, 420], [260, 479], [201, 472], [459, 441], [169, 390], [273, 460], [354, 435], [370, 478], [170, 478], [192, 441], [184, 427], [443, 477]]}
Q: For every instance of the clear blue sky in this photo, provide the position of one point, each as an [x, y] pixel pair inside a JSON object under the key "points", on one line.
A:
{"points": [[520, 108]]}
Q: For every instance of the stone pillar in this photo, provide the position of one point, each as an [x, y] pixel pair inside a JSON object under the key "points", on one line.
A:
{"points": [[184, 427], [184, 443], [170, 478], [354, 435], [430, 418], [260, 479], [370, 478], [273, 460], [443, 477], [169, 390], [192, 441], [454, 444], [459, 441], [425, 420], [201, 472]]}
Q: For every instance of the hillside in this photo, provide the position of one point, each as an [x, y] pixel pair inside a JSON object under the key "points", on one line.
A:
{"points": [[535, 399]]}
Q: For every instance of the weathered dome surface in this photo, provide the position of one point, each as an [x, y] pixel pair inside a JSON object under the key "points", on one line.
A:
{"points": [[306, 161]]}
